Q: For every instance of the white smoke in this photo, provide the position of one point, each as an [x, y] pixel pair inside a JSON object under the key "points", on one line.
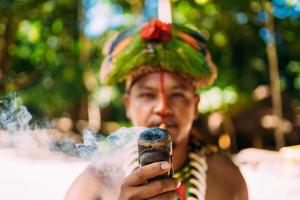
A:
{"points": [[107, 154], [19, 132], [13, 117], [110, 155]]}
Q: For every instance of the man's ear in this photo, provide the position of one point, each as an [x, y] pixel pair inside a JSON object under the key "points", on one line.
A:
{"points": [[126, 103]]}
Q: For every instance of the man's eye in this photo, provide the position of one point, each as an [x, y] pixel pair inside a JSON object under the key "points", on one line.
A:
{"points": [[177, 94]]}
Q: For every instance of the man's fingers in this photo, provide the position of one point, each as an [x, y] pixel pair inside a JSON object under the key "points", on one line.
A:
{"points": [[142, 174], [165, 196], [134, 187], [155, 188]]}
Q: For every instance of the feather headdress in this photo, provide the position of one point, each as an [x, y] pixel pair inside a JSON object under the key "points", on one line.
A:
{"points": [[158, 46]]}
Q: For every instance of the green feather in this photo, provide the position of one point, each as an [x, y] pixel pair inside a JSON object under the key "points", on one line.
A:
{"points": [[176, 56]]}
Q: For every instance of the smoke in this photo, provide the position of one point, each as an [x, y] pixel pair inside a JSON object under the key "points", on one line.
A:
{"points": [[106, 153], [18, 131], [28, 136], [110, 156], [13, 117], [94, 146], [14, 125]]}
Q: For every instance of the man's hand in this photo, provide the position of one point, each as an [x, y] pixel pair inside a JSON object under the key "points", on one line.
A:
{"points": [[135, 186]]}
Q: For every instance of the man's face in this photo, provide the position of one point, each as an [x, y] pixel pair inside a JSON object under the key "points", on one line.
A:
{"points": [[145, 103]]}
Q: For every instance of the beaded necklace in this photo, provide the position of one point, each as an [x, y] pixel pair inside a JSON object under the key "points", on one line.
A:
{"points": [[193, 178]]}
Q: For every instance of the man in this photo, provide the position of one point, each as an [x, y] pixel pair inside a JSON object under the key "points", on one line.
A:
{"points": [[163, 67]]}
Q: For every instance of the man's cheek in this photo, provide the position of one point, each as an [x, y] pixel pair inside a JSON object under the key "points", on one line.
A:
{"points": [[141, 118]]}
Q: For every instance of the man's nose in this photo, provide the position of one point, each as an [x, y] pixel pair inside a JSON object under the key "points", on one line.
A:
{"points": [[162, 107]]}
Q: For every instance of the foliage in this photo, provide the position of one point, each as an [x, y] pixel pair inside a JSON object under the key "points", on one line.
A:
{"points": [[40, 58]]}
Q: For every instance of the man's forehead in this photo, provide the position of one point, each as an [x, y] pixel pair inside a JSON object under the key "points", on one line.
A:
{"points": [[170, 81]]}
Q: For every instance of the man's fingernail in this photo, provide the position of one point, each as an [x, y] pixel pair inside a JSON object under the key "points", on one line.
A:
{"points": [[178, 184], [165, 165]]}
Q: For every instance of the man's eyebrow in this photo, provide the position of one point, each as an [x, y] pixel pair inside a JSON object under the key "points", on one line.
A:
{"points": [[180, 86], [144, 87]]}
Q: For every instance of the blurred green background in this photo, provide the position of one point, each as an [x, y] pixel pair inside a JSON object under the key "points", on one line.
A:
{"points": [[50, 54]]}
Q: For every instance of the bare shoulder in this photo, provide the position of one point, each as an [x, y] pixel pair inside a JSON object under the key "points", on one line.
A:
{"points": [[226, 177], [221, 163], [85, 187]]}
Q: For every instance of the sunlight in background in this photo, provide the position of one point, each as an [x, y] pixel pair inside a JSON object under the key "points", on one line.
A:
{"points": [[270, 121], [286, 8], [216, 98], [241, 18], [101, 16], [201, 2], [261, 92], [219, 39], [29, 30], [224, 141], [105, 94], [164, 11], [214, 122]]}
